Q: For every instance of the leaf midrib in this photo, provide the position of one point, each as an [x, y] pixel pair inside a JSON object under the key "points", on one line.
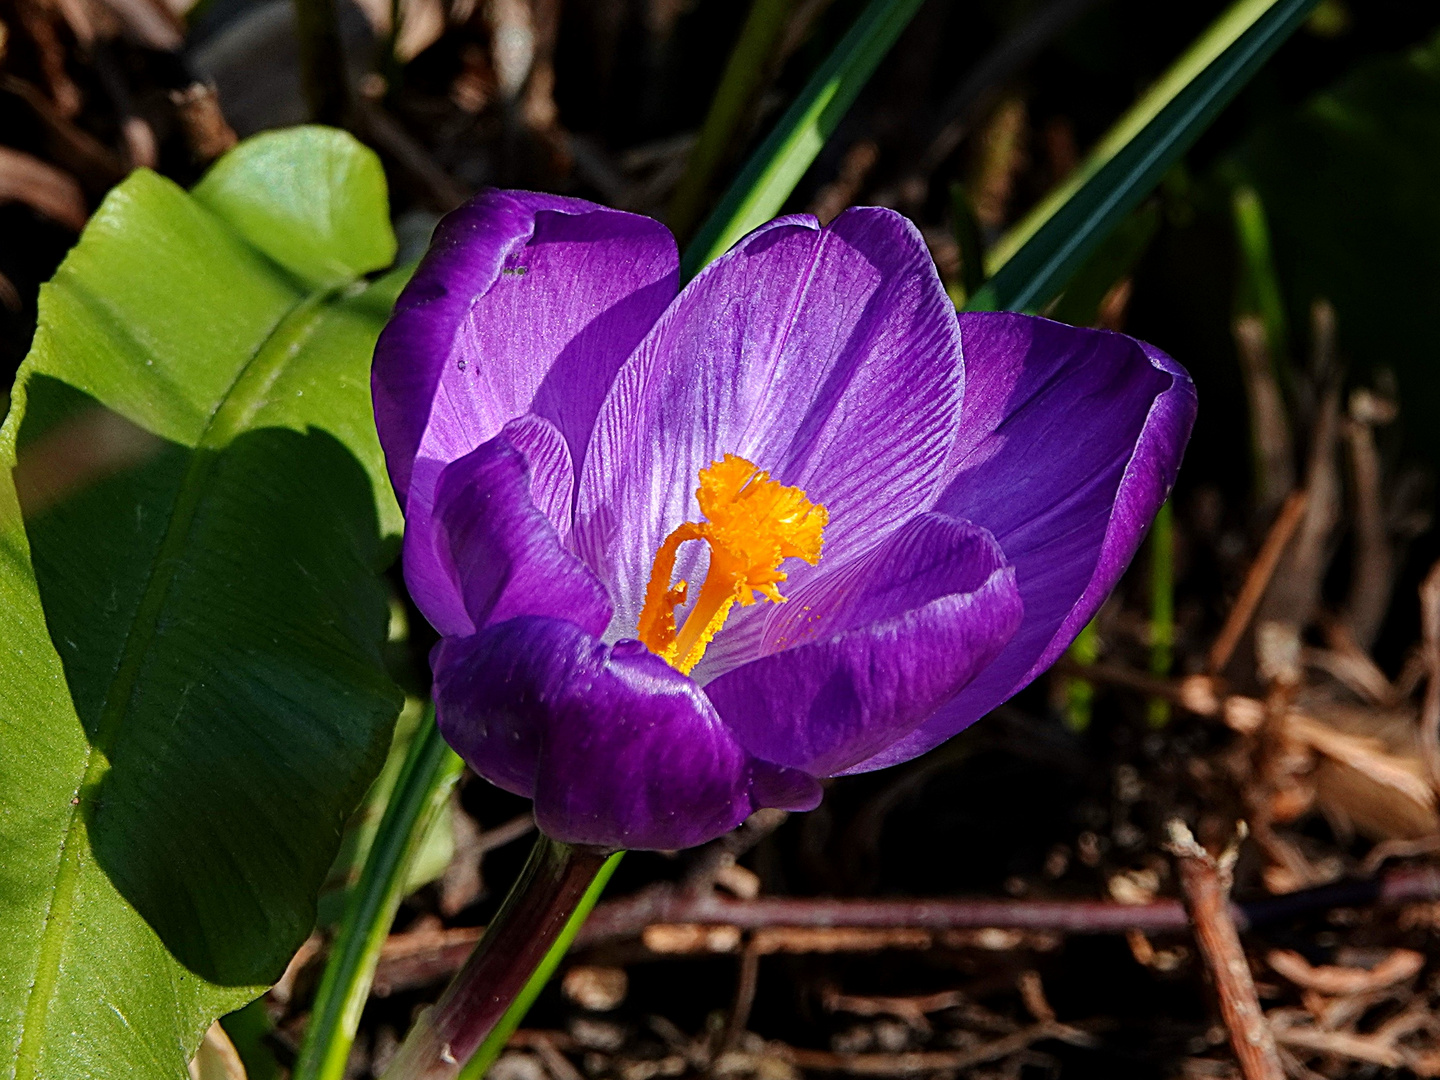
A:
{"points": [[232, 413]]}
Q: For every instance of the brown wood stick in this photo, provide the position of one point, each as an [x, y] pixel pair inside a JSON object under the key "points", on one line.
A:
{"points": [[917, 1062], [1206, 882], [712, 924], [1335, 981], [1430, 708], [1342, 1044], [1257, 579], [747, 980]]}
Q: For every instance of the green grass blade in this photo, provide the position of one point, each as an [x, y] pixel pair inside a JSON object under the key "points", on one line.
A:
{"points": [[1162, 608], [495, 1042], [430, 770], [1033, 261], [772, 172], [744, 73], [1259, 285]]}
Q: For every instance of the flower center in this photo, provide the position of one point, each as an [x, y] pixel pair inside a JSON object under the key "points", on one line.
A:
{"points": [[752, 524]]}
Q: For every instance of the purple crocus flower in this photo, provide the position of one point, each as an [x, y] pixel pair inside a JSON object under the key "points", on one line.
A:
{"points": [[609, 488]]}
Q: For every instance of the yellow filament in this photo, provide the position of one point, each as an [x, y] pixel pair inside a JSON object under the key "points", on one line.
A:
{"points": [[752, 524]]}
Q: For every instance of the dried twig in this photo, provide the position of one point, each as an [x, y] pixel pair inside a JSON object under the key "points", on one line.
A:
{"points": [[916, 1062], [747, 979], [1373, 573], [1294, 593], [463, 882], [1257, 580], [679, 922], [711, 859], [1269, 425], [44, 188], [1331, 979], [628, 916], [206, 130], [1430, 710], [556, 1063], [37, 19], [1340, 1044], [1346, 661], [1206, 881], [913, 1010], [69, 145]]}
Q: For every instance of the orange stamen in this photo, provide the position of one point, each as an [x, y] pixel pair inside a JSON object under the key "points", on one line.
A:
{"points": [[752, 524]]}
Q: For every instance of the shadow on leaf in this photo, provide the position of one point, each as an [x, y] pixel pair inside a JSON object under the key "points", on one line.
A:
{"points": [[220, 617]]}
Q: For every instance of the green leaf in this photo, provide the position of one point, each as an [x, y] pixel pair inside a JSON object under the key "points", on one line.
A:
{"points": [[1035, 259], [418, 799], [1113, 259], [744, 75], [772, 172], [436, 844], [192, 697], [267, 194], [1258, 290]]}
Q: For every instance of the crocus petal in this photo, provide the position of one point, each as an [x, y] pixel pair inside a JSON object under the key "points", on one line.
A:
{"points": [[524, 303], [829, 357], [507, 557], [882, 642], [1070, 442], [616, 747]]}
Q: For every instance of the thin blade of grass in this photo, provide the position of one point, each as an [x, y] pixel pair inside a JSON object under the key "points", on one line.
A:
{"points": [[772, 172], [744, 74], [1033, 261], [421, 792]]}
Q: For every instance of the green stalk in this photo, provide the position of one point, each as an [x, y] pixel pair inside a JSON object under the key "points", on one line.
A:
{"points": [[772, 172], [744, 73], [1259, 284], [322, 60], [495, 1042], [1080, 693], [421, 793], [1162, 608], [970, 243], [1033, 261]]}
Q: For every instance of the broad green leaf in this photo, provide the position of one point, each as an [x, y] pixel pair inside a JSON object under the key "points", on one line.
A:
{"points": [[192, 697], [1033, 261], [268, 197], [772, 172]]}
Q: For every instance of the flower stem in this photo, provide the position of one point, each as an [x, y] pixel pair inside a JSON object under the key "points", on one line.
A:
{"points": [[484, 1057], [520, 949]]}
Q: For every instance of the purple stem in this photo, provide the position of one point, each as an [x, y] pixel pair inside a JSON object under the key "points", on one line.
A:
{"points": [[534, 913]]}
